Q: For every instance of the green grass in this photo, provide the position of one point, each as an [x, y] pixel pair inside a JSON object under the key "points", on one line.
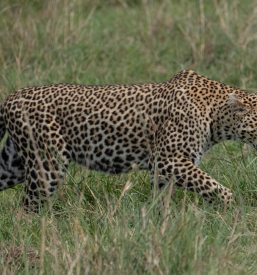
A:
{"points": [[102, 224]]}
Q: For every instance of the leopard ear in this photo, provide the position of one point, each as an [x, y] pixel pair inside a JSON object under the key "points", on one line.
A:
{"points": [[237, 105]]}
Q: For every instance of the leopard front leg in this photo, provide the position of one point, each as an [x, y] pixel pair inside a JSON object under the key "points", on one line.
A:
{"points": [[190, 177]]}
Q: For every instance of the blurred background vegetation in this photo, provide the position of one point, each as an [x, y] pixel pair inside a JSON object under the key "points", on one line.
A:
{"points": [[96, 225], [126, 41]]}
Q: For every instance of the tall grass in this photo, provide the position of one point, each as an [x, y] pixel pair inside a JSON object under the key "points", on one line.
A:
{"points": [[102, 224]]}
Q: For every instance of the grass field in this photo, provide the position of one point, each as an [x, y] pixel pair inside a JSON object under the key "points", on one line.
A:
{"points": [[102, 224]]}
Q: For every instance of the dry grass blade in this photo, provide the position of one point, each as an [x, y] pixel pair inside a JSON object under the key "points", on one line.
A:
{"points": [[127, 187], [166, 210]]}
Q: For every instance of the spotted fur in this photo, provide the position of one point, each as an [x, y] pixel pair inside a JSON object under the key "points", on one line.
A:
{"points": [[164, 127]]}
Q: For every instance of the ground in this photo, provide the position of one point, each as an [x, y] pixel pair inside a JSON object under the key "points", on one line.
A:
{"points": [[100, 224]]}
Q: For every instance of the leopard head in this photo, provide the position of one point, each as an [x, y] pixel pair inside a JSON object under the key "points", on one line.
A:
{"points": [[244, 111]]}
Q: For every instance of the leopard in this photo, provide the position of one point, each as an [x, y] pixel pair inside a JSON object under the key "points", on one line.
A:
{"points": [[165, 128]]}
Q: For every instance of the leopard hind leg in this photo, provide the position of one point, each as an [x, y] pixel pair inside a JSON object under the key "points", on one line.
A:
{"points": [[12, 170]]}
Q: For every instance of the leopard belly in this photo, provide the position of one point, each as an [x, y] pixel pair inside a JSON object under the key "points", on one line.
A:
{"points": [[110, 160]]}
